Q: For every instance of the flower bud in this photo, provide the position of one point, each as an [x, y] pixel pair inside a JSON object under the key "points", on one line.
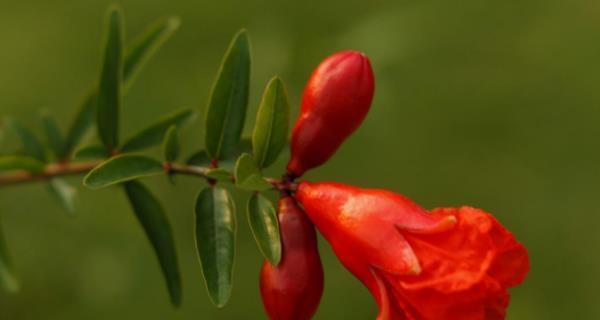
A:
{"points": [[335, 101], [292, 290], [445, 264]]}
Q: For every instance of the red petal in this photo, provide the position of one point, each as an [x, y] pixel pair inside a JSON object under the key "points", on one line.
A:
{"points": [[395, 256], [465, 271], [389, 309], [383, 300]]}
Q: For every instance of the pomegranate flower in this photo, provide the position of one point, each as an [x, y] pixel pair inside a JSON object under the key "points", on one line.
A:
{"points": [[447, 264]]}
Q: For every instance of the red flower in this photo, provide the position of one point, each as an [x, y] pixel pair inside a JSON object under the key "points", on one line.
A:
{"points": [[447, 264]]}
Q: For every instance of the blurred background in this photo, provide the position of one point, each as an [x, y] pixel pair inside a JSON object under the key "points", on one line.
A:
{"points": [[494, 104]]}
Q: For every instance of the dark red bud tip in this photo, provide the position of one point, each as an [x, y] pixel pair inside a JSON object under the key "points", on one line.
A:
{"points": [[335, 101]]}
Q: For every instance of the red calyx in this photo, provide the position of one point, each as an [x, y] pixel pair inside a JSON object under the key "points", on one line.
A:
{"points": [[292, 290], [335, 101], [446, 264]]}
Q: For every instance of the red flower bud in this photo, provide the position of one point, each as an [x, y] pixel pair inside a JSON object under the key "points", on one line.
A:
{"points": [[292, 290], [446, 264], [335, 101]]}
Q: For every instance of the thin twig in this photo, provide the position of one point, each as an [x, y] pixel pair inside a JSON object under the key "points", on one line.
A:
{"points": [[74, 168], [279, 184], [188, 170], [52, 170]]}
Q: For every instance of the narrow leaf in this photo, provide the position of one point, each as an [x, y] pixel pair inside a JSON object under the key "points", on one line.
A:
{"points": [[228, 102], [244, 146], [228, 160], [111, 77], [64, 193], [265, 228], [91, 152], [141, 50], [171, 145], [84, 118], [219, 174], [2, 138], [33, 165], [30, 142], [53, 134], [200, 159], [120, 169], [272, 124], [215, 241], [145, 45], [254, 182], [247, 175], [154, 134], [8, 278], [153, 219], [203, 159]]}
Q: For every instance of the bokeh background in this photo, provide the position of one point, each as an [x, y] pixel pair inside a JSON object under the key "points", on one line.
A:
{"points": [[495, 104]]}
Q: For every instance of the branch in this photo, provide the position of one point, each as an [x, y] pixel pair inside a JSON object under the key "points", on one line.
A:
{"points": [[279, 184], [52, 170], [74, 168]]}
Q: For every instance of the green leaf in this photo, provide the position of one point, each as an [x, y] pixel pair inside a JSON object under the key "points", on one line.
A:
{"points": [[64, 193], [137, 54], [228, 160], [2, 138], [219, 174], [215, 241], [244, 146], [120, 169], [154, 134], [247, 175], [171, 145], [111, 77], [228, 102], [153, 219], [30, 142], [145, 45], [272, 124], [84, 118], [91, 153], [265, 228], [53, 134], [33, 165], [8, 278], [200, 159], [203, 159]]}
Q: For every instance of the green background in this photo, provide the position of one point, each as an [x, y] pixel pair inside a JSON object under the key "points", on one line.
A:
{"points": [[494, 104]]}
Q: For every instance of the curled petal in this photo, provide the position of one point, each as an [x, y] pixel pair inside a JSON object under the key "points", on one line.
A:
{"points": [[398, 258], [382, 297], [390, 307]]}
